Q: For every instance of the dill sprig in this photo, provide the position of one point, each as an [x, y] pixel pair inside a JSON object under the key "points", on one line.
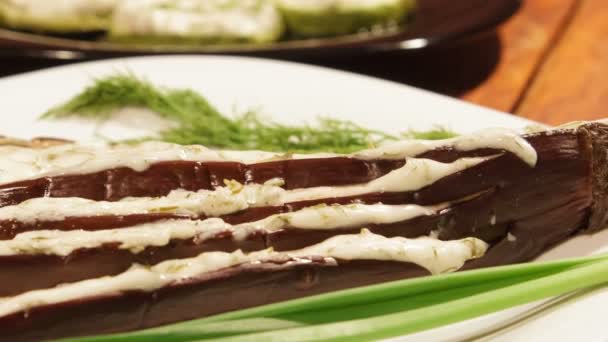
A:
{"points": [[436, 133], [198, 122]]}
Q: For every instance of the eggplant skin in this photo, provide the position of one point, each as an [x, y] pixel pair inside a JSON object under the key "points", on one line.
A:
{"points": [[161, 178], [230, 289], [539, 205], [521, 210], [595, 136]]}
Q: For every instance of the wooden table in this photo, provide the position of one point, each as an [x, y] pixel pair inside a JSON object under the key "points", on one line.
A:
{"points": [[548, 63]]}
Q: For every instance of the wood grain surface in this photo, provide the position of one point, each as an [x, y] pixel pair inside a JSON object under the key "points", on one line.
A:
{"points": [[526, 39], [573, 80]]}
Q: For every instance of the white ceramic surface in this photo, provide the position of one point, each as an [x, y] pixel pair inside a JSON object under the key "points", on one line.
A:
{"points": [[294, 93]]}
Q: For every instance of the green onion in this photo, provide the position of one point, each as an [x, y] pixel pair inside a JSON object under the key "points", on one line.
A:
{"points": [[198, 122], [392, 325], [390, 309]]}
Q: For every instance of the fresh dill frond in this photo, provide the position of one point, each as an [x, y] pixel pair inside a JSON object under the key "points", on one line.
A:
{"points": [[198, 122], [436, 133]]}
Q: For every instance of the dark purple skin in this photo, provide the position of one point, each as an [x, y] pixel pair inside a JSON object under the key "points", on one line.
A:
{"points": [[564, 194], [161, 178], [226, 290]]}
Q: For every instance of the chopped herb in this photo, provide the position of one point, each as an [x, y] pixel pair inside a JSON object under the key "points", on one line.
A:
{"points": [[198, 122], [436, 133], [234, 186], [164, 209]]}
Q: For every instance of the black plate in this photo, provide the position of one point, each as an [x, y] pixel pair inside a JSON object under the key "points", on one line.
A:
{"points": [[436, 21]]}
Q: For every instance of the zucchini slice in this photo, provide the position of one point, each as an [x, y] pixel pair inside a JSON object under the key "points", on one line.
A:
{"points": [[57, 16], [210, 21], [321, 18]]}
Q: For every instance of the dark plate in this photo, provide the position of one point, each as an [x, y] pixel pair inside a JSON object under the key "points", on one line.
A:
{"points": [[436, 21]]}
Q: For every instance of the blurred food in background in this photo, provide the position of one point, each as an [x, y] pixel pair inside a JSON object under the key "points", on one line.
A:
{"points": [[206, 21], [57, 16]]}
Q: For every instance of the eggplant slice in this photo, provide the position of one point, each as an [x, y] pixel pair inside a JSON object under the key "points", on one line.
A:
{"points": [[518, 209]]}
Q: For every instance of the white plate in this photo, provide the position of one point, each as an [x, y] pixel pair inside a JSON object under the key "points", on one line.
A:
{"points": [[297, 93]]}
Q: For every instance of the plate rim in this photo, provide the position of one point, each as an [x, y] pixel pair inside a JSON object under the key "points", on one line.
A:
{"points": [[300, 66], [262, 60]]}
